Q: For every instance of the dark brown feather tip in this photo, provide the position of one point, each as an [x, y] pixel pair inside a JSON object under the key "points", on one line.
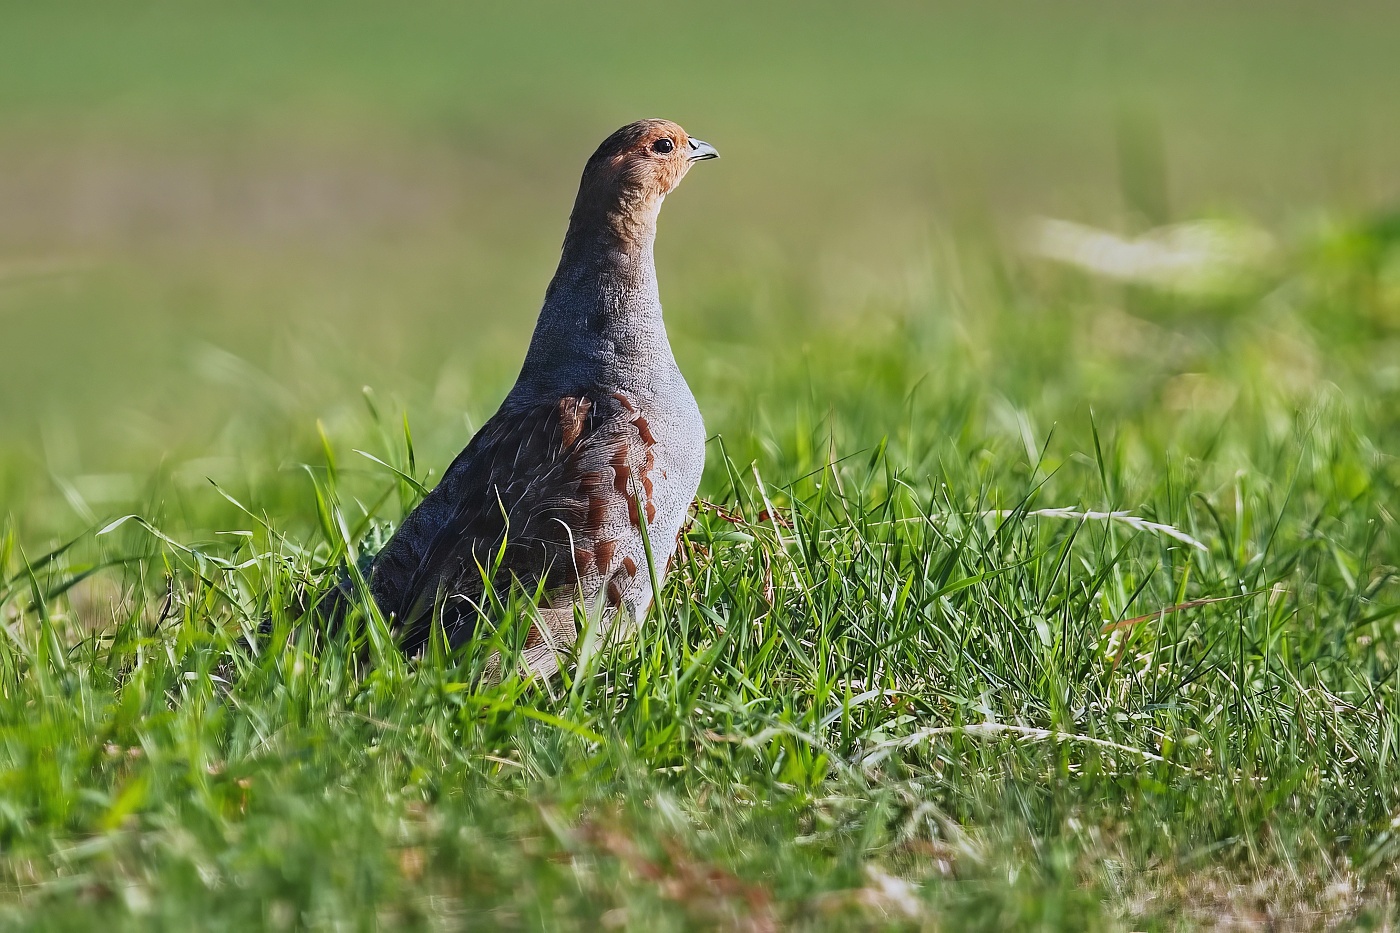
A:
{"points": [[622, 473], [597, 512], [573, 416]]}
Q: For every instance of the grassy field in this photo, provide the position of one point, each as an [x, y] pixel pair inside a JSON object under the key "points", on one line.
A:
{"points": [[1045, 572]]}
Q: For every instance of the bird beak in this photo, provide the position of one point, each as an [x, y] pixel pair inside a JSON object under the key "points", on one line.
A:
{"points": [[701, 150]]}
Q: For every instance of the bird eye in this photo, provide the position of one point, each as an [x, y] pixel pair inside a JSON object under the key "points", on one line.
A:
{"points": [[662, 146]]}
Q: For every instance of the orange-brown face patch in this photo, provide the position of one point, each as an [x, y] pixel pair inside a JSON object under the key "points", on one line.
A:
{"points": [[625, 180], [633, 164]]}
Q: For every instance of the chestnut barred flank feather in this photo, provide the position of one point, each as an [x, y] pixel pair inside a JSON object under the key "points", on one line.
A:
{"points": [[599, 438]]}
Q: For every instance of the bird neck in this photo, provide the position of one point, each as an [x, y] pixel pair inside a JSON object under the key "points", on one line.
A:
{"points": [[610, 218], [612, 248], [601, 318]]}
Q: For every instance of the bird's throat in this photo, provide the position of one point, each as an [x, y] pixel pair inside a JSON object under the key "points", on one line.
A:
{"points": [[602, 311]]}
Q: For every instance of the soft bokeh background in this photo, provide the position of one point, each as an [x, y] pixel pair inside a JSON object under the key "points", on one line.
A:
{"points": [[217, 213]]}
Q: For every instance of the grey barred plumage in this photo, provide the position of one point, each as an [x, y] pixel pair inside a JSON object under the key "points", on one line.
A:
{"points": [[599, 435]]}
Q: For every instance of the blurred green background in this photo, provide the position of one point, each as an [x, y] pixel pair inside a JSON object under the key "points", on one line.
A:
{"points": [[222, 211]]}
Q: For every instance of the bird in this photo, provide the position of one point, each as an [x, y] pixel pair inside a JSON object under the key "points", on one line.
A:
{"points": [[596, 453]]}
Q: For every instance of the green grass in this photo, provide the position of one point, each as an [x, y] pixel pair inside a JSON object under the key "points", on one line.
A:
{"points": [[755, 752], [899, 679]]}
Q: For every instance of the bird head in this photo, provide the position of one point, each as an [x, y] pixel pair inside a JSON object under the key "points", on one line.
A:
{"points": [[634, 169]]}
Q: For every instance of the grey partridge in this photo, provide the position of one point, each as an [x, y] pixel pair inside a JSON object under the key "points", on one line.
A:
{"points": [[599, 438]]}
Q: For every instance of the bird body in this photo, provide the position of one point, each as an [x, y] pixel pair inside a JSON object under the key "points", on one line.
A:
{"points": [[599, 438]]}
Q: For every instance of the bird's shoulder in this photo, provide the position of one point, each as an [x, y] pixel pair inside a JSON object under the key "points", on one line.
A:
{"points": [[527, 441]]}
